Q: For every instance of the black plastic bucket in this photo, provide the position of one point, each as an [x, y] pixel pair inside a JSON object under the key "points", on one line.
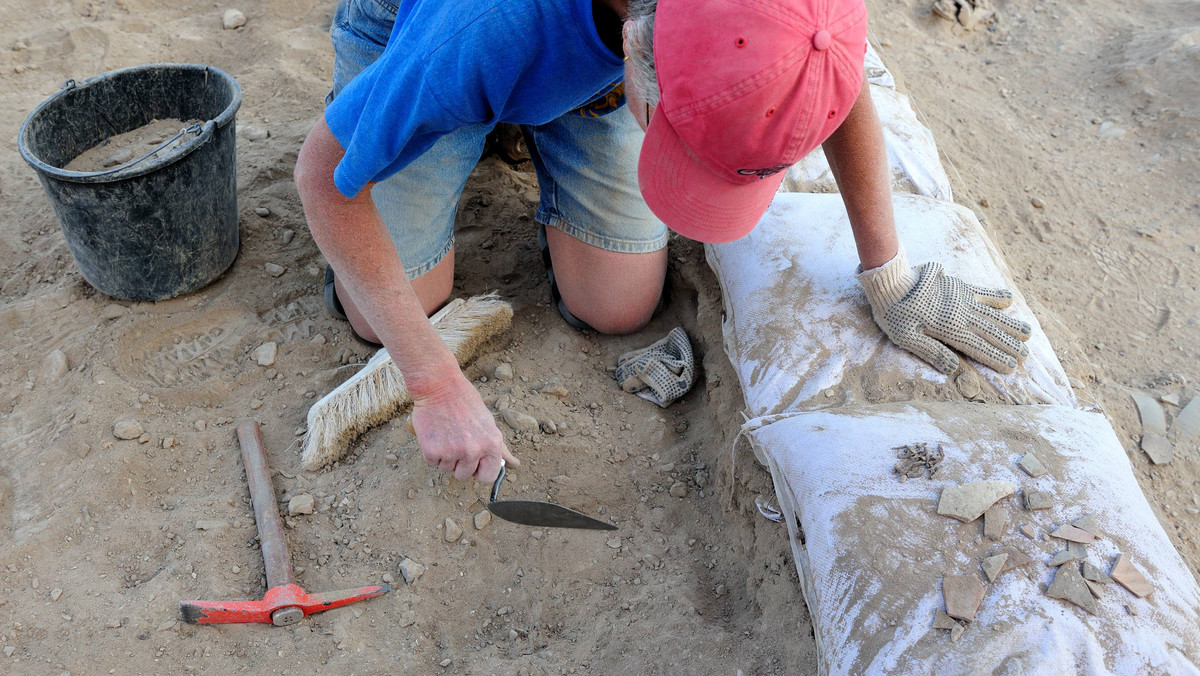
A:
{"points": [[157, 227]]}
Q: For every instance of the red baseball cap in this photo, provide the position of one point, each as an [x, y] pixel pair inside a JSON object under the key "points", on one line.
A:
{"points": [[747, 89]]}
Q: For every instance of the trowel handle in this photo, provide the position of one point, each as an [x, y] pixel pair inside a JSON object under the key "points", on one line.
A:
{"points": [[499, 480], [276, 558]]}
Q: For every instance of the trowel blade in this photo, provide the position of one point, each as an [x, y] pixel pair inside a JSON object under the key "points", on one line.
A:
{"points": [[545, 514]]}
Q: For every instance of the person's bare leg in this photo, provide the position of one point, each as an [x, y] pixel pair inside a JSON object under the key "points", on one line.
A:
{"points": [[613, 292], [432, 288]]}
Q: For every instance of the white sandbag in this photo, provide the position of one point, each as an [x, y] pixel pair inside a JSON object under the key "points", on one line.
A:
{"points": [[912, 154], [799, 331], [872, 550]]}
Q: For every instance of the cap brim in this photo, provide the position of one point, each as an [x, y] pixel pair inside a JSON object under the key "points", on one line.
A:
{"points": [[690, 199]]}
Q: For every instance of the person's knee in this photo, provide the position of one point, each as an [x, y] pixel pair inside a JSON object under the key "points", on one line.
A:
{"points": [[618, 314]]}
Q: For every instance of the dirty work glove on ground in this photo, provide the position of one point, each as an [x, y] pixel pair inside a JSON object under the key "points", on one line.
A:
{"points": [[662, 372], [923, 311]]}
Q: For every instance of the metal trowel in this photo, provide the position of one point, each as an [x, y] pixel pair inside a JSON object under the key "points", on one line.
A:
{"points": [[537, 513]]}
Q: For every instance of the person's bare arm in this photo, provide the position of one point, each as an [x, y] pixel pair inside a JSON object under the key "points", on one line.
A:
{"points": [[455, 430], [858, 159]]}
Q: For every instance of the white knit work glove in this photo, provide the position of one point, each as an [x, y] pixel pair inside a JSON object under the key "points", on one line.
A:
{"points": [[662, 372], [923, 311]]}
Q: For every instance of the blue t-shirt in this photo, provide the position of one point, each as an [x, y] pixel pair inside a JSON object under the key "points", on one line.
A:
{"points": [[453, 63]]}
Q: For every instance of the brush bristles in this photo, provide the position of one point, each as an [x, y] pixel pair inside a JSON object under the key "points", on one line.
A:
{"points": [[377, 393]]}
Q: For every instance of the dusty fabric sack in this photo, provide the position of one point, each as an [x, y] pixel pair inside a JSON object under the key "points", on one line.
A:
{"points": [[872, 550], [799, 330], [912, 155]]}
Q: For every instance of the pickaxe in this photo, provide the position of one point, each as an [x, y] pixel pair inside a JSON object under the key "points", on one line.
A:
{"points": [[285, 601]]}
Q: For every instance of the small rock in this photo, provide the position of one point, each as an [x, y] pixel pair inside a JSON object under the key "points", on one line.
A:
{"points": [[236, 569], [200, 425], [962, 594], [9, 650], [257, 134], [1158, 448], [452, 532], [212, 524], [614, 543], [521, 422], [967, 502], [113, 311], [118, 156], [1037, 203], [943, 621], [265, 354], [233, 19], [1129, 577], [503, 372], [548, 426], [168, 442], [679, 490], [1032, 466], [55, 594], [388, 578], [127, 429], [482, 519], [262, 211], [1069, 585], [410, 570], [1094, 574], [1109, 129], [288, 236], [1035, 500], [992, 566], [995, 522], [1068, 532], [535, 534], [968, 385], [54, 366], [274, 269], [444, 663], [1131, 609], [301, 504], [167, 625], [555, 390]]}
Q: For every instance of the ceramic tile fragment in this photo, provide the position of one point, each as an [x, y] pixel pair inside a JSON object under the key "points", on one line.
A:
{"points": [[995, 522], [1129, 577], [1069, 585], [962, 594], [992, 565], [1032, 465], [1157, 448], [967, 502], [1069, 532]]}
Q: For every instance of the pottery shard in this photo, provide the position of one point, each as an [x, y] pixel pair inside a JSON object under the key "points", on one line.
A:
{"points": [[1016, 558], [1032, 466], [1129, 577], [963, 594], [1035, 500], [992, 566], [944, 621], [1158, 448], [1187, 423], [956, 633], [1089, 524], [1151, 413], [995, 522], [1064, 557], [1094, 587], [1069, 585], [1094, 574], [1068, 532], [967, 502]]}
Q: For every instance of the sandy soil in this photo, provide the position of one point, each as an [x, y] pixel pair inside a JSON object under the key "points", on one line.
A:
{"points": [[1089, 110]]}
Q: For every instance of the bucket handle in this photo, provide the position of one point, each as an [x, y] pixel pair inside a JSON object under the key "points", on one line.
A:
{"points": [[190, 129]]}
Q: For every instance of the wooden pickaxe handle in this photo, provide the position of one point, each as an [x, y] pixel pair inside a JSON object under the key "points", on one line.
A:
{"points": [[276, 558]]}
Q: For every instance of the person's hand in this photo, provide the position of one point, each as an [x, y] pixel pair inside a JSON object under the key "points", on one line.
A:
{"points": [[926, 312], [457, 433]]}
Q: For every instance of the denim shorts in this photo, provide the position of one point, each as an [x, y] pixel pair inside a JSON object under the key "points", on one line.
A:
{"points": [[586, 166]]}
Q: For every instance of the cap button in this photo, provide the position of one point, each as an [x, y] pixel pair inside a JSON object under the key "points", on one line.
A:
{"points": [[822, 40]]}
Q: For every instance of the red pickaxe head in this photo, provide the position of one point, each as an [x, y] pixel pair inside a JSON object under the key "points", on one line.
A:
{"points": [[281, 606]]}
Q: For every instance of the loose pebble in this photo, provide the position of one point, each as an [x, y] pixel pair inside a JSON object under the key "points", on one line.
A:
{"points": [[257, 134], [521, 422], [265, 354], [113, 311], [233, 19], [452, 531], [482, 519], [503, 372], [614, 543], [679, 490], [410, 570], [274, 269], [127, 429], [212, 524], [288, 236], [54, 366], [118, 157], [262, 211], [301, 504], [55, 594], [1037, 203]]}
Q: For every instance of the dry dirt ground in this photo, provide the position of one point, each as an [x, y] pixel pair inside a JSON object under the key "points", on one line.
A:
{"points": [[1089, 108]]}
